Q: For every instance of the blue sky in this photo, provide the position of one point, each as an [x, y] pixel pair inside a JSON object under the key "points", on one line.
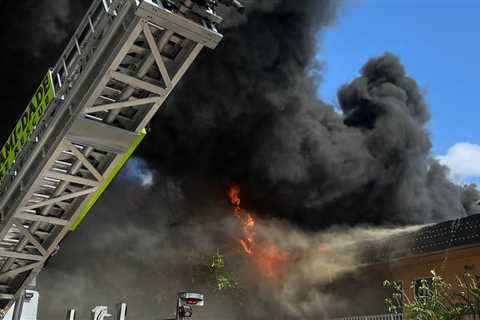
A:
{"points": [[438, 42]]}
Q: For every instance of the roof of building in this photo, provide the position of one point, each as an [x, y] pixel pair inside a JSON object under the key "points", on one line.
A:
{"points": [[446, 235], [442, 236]]}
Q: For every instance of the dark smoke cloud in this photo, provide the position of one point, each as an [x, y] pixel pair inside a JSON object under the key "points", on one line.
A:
{"points": [[144, 249], [247, 113], [141, 251], [33, 34]]}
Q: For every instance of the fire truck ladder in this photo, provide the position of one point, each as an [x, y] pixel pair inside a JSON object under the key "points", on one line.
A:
{"points": [[116, 72]]}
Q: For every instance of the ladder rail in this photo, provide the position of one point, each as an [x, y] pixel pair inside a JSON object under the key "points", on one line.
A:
{"points": [[35, 145], [115, 73]]}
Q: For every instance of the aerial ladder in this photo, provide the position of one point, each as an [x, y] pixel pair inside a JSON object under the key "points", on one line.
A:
{"points": [[86, 119]]}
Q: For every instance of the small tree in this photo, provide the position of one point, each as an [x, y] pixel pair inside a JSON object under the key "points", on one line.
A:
{"points": [[439, 300], [224, 280], [212, 274]]}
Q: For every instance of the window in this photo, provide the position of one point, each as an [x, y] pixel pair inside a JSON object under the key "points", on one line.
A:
{"points": [[422, 287]]}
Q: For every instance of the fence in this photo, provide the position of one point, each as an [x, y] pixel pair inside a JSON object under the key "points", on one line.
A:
{"points": [[397, 316]]}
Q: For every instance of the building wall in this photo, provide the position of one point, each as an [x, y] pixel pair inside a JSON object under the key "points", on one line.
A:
{"points": [[366, 295], [448, 264]]}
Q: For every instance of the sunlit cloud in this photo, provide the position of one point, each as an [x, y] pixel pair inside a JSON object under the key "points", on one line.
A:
{"points": [[463, 160]]}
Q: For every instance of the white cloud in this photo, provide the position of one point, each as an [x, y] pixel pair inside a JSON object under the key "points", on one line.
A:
{"points": [[137, 170], [463, 159]]}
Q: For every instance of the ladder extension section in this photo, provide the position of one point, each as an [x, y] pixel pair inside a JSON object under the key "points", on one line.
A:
{"points": [[118, 69]]}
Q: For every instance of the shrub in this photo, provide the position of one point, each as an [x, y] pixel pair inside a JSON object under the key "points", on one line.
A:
{"points": [[439, 300]]}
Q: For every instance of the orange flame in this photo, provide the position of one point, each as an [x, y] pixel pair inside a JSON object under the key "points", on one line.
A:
{"points": [[270, 259], [267, 256], [247, 220]]}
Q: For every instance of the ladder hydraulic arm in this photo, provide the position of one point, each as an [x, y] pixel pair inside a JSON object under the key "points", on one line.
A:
{"points": [[86, 119]]}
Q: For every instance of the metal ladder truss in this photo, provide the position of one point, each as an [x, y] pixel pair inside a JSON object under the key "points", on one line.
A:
{"points": [[119, 67]]}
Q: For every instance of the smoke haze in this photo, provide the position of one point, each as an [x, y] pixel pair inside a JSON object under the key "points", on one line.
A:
{"points": [[246, 113], [143, 251]]}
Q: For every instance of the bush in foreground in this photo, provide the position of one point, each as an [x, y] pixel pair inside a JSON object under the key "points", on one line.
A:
{"points": [[438, 299]]}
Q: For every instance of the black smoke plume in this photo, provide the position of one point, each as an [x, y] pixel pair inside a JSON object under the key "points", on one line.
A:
{"points": [[246, 113], [249, 113], [33, 34]]}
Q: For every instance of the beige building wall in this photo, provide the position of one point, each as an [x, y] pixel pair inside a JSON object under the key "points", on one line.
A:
{"points": [[447, 263]]}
